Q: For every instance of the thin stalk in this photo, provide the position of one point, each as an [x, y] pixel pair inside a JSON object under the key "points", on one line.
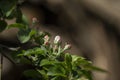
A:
{"points": [[1, 66]]}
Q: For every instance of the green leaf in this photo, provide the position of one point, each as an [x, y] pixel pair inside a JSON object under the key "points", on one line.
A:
{"points": [[43, 73], [21, 18], [55, 78], [56, 70], [68, 60], [18, 57], [25, 20], [87, 74], [39, 40], [16, 25], [35, 51], [45, 62], [24, 35], [53, 68], [32, 73], [7, 6], [76, 58], [58, 78], [11, 14], [68, 57], [19, 15], [3, 25], [94, 68], [24, 60], [80, 61]]}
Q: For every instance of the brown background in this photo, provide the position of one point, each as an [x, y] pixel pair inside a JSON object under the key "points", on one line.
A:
{"points": [[91, 26]]}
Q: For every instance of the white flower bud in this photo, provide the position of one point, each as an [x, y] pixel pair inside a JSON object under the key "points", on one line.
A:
{"points": [[34, 20], [57, 39], [67, 46], [46, 40]]}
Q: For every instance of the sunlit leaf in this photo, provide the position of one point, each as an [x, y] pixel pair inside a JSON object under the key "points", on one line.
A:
{"points": [[25, 20], [16, 25], [94, 68], [35, 51], [7, 6], [47, 62], [56, 70], [24, 35], [43, 73]]}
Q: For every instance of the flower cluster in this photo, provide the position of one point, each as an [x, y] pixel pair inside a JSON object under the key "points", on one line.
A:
{"points": [[56, 44]]}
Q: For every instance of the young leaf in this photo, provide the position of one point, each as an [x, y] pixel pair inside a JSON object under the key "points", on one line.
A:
{"points": [[47, 62], [24, 60], [35, 51], [68, 60], [80, 61], [7, 6], [59, 78], [43, 73], [11, 14], [56, 70], [24, 35], [25, 20], [16, 25], [94, 68], [87, 74], [8, 13]]}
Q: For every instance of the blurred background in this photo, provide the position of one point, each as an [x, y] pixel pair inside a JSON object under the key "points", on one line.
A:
{"points": [[91, 26]]}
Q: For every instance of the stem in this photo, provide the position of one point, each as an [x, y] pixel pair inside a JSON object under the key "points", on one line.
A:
{"points": [[70, 78], [1, 66]]}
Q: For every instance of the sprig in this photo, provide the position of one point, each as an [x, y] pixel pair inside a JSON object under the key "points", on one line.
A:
{"points": [[49, 60]]}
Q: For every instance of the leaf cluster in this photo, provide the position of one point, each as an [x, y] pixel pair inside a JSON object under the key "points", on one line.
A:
{"points": [[50, 61], [10, 9]]}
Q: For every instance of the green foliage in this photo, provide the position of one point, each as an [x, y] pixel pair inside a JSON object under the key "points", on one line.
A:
{"points": [[49, 60], [25, 35], [16, 25], [3, 25], [9, 9]]}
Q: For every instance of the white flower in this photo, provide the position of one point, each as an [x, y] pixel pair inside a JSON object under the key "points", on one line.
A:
{"points": [[34, 20], [57, 39], [46, 40], [67, 46]]}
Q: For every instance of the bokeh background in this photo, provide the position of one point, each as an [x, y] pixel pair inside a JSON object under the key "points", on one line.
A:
{"points": [[91, 26]]}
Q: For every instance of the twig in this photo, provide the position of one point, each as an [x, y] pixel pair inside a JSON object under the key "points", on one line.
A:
{"points": [[1, 66]]}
